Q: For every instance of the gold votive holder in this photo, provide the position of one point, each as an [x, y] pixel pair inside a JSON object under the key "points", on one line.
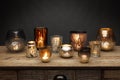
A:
{"points": [[45, 55], [84, 55], [66, 51], [40, 34], [95, 48], [56, 41], [107, 45], [78, 39], [31, 50]]}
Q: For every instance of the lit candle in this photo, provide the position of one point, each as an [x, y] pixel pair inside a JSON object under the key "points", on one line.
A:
{"points": [[66, 51], [104, 33], [84, 58], [84, 55], [45, 55]]}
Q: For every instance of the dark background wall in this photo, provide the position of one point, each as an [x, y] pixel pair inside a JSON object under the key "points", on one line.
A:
{"points": [[59, 16]]}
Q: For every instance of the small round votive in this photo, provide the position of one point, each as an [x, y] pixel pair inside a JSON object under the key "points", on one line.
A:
{"points": [[66, 51]]}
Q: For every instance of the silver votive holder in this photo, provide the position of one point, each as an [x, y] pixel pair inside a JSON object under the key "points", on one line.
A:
{"points": [[56, 41], [31, 49], [66, 51]]}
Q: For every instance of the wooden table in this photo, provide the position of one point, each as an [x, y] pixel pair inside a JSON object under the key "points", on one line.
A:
{"points": [[109, 61]]}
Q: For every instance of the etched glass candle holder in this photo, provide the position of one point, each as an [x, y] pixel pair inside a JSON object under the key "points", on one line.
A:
{"points": [[15, 40], [78, 39], [41, 37], [84, 55], [66, 51], [45, 55], [31, 50], [56, 41], [106, 36], [95, 48]]}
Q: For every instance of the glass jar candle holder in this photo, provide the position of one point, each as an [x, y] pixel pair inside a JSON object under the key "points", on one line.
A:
{"points": [[66, 51], [31, 50], [84, 55], [106, 36], [95, 48], [56, 41], [45, 55], [41, 37], [78, 39], [15, 40]]}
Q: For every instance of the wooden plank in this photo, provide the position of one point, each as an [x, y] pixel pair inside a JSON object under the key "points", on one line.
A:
{"points": [[107, 59], [113, 74], [8, 75], [88, 75], [31, 75]]}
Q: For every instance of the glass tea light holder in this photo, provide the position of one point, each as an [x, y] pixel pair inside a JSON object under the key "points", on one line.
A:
{"points": [[66, 51], [15, 40], [106, 36], [41, 37], [45, 55], [31, 50], [78, 39], [95, 48], [84, 55], [56, 41]]}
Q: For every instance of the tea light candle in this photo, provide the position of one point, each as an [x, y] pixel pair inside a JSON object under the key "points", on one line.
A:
{"points": [[66, 51], [104, 33], [45, 55], [84, 59]]}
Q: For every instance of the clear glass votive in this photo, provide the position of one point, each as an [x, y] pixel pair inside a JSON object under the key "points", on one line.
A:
{"points": [[95, 48], [56, 41]]}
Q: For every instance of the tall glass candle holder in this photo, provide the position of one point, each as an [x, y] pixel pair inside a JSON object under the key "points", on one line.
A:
{"points": [[56, 41], [45, 55], [106, 36], [95, 48], [41, 37], [78, 39], [31, 50]]}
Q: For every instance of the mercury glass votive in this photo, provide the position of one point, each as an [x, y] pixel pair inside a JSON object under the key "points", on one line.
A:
{"points": [[78, 39], [95, 48], [15, 40], [66, 51], [41, 37], [106, 36], [31, 50], [56, 41], [84, 55], [45, 55]]}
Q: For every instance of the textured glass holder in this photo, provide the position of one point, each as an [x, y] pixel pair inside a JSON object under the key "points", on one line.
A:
{"points": [[31, 50], [95, 48], [56, 41]]}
